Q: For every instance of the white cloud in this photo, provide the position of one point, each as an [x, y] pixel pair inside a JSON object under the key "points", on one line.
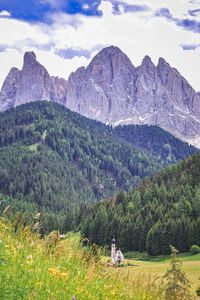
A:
{"points": [[106, 8], [178, 8], [85, 6], [13, 31], [5, 13], [8, 59], [136, 34], [58, 66]]}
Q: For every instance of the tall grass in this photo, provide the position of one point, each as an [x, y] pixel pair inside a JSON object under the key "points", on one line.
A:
{"points": [[32, 267]]}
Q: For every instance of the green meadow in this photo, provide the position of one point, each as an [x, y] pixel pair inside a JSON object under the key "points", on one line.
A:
{"points": [[32, 267], [191, 266]]}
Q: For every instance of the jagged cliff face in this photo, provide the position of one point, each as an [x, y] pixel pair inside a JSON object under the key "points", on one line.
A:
{"points": [[32, 83], [9, 89], [105, 89], [113, 91]]}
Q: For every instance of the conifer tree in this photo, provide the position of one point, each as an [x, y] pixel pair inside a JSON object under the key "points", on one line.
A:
{"points": [[177, 286]]}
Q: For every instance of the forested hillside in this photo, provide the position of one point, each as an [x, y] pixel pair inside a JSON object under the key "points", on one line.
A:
{"points": [[155, 140], [164, 210], [54, 160], [57, 162]]}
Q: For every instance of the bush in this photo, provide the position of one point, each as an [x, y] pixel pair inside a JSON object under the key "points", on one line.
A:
{"points": [[194, 249], [198, 291]]}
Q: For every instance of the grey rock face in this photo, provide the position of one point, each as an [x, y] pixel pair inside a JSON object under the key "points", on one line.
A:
{"points": [[113, 91], [105, 89], [9, 88], [32, 83], [60, 89]]}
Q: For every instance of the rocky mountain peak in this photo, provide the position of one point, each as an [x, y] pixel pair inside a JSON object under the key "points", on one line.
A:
{"points": [[163, 65], [29, 56], [9, 88], [107, 52], [14, 70], [32, 83], [108, 65], [109, 57], [163, 70], [30, 61], [147, 61], [162, 61], [147, 66], [111, 90]]}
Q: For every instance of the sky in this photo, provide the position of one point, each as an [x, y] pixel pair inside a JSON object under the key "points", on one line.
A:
{"points": [[66, 34]]}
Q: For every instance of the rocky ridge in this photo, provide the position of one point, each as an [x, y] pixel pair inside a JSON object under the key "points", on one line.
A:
{"points": [[113, 91], [32, 83]]}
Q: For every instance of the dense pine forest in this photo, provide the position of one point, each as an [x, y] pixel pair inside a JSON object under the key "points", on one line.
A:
{"points": [[155, 140], [56, 162], [164, 210]]}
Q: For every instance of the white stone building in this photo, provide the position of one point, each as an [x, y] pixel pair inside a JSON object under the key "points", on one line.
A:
{"points": [[116, 256]]}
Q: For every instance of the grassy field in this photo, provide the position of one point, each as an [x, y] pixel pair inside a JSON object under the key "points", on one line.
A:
{"points": [[191, 265], [32, 267], [154, 269]]}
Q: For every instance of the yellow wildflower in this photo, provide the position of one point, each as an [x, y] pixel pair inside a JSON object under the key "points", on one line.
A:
{"points": [[113, 293], [66, 275]]}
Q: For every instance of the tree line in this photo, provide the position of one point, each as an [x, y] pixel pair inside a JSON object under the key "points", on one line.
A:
{"points": [[164, 210]]}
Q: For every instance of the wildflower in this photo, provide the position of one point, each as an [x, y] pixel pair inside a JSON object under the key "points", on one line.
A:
{"points": [[113, 293], [3, 225], [90, 275], [34, 295], [0, 242], [58, 252], [73, 297], [66, 275], [54, 271], [5, 259]]}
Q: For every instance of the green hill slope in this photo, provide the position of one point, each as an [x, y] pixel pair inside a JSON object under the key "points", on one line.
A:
{"points": [[164, 210], [57, 162], [155, 140]]}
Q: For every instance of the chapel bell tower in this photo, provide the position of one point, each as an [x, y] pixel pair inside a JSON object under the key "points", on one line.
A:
{"points": [[113, 251]]}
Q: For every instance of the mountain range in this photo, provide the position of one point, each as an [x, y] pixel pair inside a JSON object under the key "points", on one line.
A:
{"points": [[112, 90]]}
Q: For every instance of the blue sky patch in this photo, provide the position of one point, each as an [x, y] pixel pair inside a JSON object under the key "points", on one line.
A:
{"points": [[163, 12], [188, 24], [70, 53], [36, 10], [188, 47], [129, 7], [136, 8], [194, 12]]}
